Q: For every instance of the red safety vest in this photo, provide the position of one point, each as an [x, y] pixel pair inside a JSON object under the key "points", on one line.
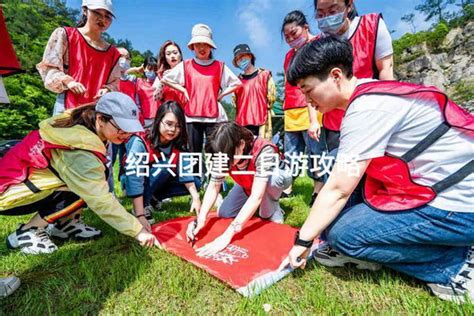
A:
{"points": [[89, 66], [203, 85], [170, 94], [364, 41], [389, 185], [246, 180], [148, 105], [31, 153], [294, 98], [128, 87], [251, 99]]}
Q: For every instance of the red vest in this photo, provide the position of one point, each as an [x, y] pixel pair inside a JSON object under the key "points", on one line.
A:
{"points": [[294, 98], [388, 185], [128, 87], [246, 180], [251, 100], [89, 66], [363, 42], [170, 94], [9, 64], [148, 105], [31, 153], [203, 85]]}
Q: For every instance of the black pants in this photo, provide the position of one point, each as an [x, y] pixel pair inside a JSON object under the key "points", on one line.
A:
{"points": [[53, 207], [196, 133]]}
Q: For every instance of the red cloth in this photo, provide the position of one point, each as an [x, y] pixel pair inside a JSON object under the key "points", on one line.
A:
{"points": [[9, 64], [251, 100], [148, 105], [248, 264]]}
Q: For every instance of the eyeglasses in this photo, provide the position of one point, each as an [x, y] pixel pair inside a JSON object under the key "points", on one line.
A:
{"points": [[119, 130], [106, 16], [170, 126]]}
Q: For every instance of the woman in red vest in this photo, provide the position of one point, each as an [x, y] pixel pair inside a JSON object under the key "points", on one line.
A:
{"points": [[155, 166], [372, 43], [260, 175], [144, 89], [56, 170], [301, 121], [254, 99], [169, 56], [203, 81], [416, 149], [78, 63]]}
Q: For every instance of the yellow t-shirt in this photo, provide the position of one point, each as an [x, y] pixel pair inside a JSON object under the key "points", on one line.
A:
{"points": [[296, 119]]}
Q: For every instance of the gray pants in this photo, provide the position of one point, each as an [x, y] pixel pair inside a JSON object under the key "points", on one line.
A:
{"points": [[280, 180]]}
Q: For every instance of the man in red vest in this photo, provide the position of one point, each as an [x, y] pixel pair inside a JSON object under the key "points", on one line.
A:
{"points": [[416, 149]]}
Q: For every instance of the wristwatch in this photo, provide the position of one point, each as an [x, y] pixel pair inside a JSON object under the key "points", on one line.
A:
{"points": [[301, 242], [236, 226]]}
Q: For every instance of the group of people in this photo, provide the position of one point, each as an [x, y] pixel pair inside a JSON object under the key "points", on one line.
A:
{"points": [[408, 206]]}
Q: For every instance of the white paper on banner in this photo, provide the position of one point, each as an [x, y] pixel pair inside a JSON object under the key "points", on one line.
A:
{"points": [[3, 93]]}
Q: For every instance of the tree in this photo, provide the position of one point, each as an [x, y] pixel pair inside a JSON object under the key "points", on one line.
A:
{"points": [[410, 20], [435, 9]]}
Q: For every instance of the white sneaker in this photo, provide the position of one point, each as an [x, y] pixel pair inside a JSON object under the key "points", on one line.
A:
{"points": [[31, 241], [329, 257], [8, 285], [278, 217], [461, 288], [73, 228]]}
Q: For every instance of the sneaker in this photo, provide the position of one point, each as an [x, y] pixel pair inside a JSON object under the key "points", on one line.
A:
{"points": [[278, 217], [148, 212], [461, 288], [157, 204], [8, 285], [73, 228], [331, 258], [31, 241]]}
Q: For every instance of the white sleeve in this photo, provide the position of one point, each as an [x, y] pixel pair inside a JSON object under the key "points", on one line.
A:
{"points": [[229, 79], [176, 75], [383, 46], [368, 125]]}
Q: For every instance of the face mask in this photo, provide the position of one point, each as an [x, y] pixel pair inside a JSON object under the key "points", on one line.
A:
{"points": [[244, 64], [150, 75], [331, 24], [297, 43], [124, 63]]}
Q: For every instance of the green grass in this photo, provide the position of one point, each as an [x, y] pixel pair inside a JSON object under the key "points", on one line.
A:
{"points": [[114, 275]]}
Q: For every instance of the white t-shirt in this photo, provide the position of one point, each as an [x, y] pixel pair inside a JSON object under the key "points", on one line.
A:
{"points": [[3, 93], [375, 124], [229, 79], [383, 46]]}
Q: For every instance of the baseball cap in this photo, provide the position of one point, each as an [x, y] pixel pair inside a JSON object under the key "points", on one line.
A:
{"points": [[99, 4], [241, 49], [122, 109]]}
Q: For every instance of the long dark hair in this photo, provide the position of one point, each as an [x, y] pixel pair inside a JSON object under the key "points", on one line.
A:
{"points": [[150, 61], [226, 137], [84, 115], [180, 142], [162, 63], [351, 15], [295, 16], [83, 19]]}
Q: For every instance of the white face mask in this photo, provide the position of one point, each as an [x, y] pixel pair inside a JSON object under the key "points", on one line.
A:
{"points": [[3, 93]]}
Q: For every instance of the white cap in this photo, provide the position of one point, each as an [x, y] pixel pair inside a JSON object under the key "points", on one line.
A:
{"points": [[99, 4], [201, 33]]}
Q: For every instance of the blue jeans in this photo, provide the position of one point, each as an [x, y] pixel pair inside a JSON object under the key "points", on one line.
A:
{"points": [[297, 142], [164, 185], [59, 105], [427, 243]]}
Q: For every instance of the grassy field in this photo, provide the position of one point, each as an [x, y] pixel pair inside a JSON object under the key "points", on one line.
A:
{"points": [[114, 275]]}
